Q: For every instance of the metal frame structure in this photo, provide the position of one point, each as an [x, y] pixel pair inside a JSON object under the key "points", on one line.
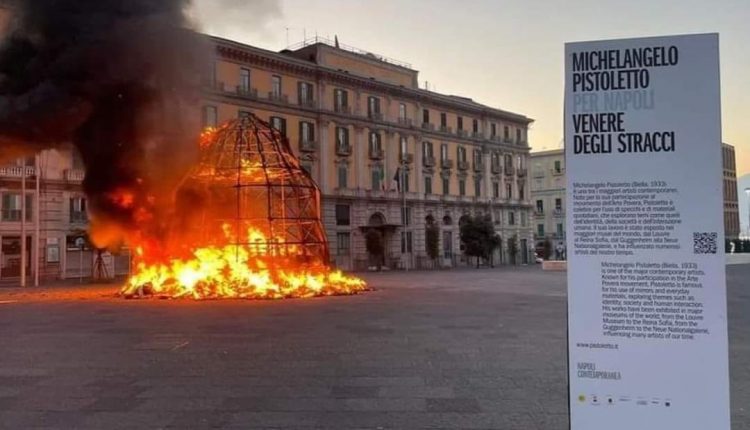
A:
{"points": [[251, 180]]}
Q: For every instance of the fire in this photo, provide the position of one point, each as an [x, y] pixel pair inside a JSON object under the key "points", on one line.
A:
{"points": [[256, 269], [246, 225]]}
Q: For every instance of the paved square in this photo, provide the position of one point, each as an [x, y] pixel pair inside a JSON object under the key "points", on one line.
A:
{"points": [[461, 349]]}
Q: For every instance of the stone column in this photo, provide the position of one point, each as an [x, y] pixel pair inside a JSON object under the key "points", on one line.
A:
{"points": [[321, 101], [389, 166], [356, 108], [418, 172], [359, 152], [325, 155], [487, 173]]}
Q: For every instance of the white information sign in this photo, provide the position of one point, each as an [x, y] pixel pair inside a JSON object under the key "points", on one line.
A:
{"points": [[647, 314]]}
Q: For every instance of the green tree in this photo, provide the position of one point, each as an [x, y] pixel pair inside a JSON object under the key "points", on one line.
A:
{"points": [[432, 242], [471, 237], [479, 238], [374, 246]]}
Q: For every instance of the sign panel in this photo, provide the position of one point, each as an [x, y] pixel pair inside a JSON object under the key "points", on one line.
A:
{"points": [[647, 316]]}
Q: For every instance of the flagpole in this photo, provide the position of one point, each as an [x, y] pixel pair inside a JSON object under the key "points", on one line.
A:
{"points": [[402, 185], [37, 211], [23, 223]]}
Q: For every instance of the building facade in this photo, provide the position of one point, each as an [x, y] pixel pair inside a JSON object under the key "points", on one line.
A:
{"points": [[548, 199], [54, 220], [731, 203], [386, 154]]}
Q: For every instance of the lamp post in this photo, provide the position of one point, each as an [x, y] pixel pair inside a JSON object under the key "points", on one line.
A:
{"points": [[747, 194]]}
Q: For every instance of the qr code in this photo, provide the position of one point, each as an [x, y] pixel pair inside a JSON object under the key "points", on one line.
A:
{"points": [[704, 243]]}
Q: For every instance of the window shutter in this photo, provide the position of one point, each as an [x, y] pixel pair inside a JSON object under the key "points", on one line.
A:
{"points": [[310, 92], [312, 131], [299, 92]]}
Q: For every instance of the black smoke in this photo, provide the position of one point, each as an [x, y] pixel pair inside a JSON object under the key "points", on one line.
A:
{"points": [[118, 79]]}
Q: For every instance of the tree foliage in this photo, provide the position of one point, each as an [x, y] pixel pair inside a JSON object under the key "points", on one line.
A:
{"points": [[479, 238]]}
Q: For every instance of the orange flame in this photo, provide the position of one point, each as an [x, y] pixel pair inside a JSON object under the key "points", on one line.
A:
{"points": [[258, 269], [242, 260]]}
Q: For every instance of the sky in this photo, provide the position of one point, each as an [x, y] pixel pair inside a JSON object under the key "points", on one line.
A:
{"points": [[507, 54]]}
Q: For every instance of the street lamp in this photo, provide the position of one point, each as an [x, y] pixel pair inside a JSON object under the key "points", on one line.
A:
{"points": [[747, 194]]}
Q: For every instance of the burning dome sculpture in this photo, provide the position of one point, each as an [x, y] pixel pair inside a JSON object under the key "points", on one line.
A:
{"points": [[248, 225]]}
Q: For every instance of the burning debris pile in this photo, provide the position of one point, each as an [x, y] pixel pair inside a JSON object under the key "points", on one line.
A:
{"points": [[250, 226]]}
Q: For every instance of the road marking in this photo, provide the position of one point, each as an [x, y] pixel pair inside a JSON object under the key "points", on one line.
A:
{"points": [[176, 347]]}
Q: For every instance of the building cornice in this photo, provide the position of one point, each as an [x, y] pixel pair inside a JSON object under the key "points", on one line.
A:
{"points": [[362, 122], [247, 54]]}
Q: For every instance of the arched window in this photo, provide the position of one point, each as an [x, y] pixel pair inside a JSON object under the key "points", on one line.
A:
{"points": [[376, 219], [447, 220]]}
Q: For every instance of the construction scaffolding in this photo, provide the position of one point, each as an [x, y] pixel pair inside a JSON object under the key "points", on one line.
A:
{"points": [[254, 191]]}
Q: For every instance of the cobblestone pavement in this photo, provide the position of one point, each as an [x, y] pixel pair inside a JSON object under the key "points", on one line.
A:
{"points": [[461, 349]]}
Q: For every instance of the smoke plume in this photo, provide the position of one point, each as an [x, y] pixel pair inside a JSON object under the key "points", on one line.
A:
{"points": [[120, 80]]}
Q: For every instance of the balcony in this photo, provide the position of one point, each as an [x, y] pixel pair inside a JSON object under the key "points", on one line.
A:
{"points": [[446, 129], [477, 135], [406, 122], [463, 165], [308, 145], [446, 163], [558, 213], [478, 167], [74, 175], [522, 172], [16, 171], [560, 172], [12, 215], [406, 158], [538, 214], [496, 168], [343, 109], [376, 154], [428, 161], [343, 149], [510, 170], [507, 140], [496, 138], [523, 143], [308, 103], [375, 116], [78, 218], [279, 98], [428, 126], [247, 92], [462, 133]]}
